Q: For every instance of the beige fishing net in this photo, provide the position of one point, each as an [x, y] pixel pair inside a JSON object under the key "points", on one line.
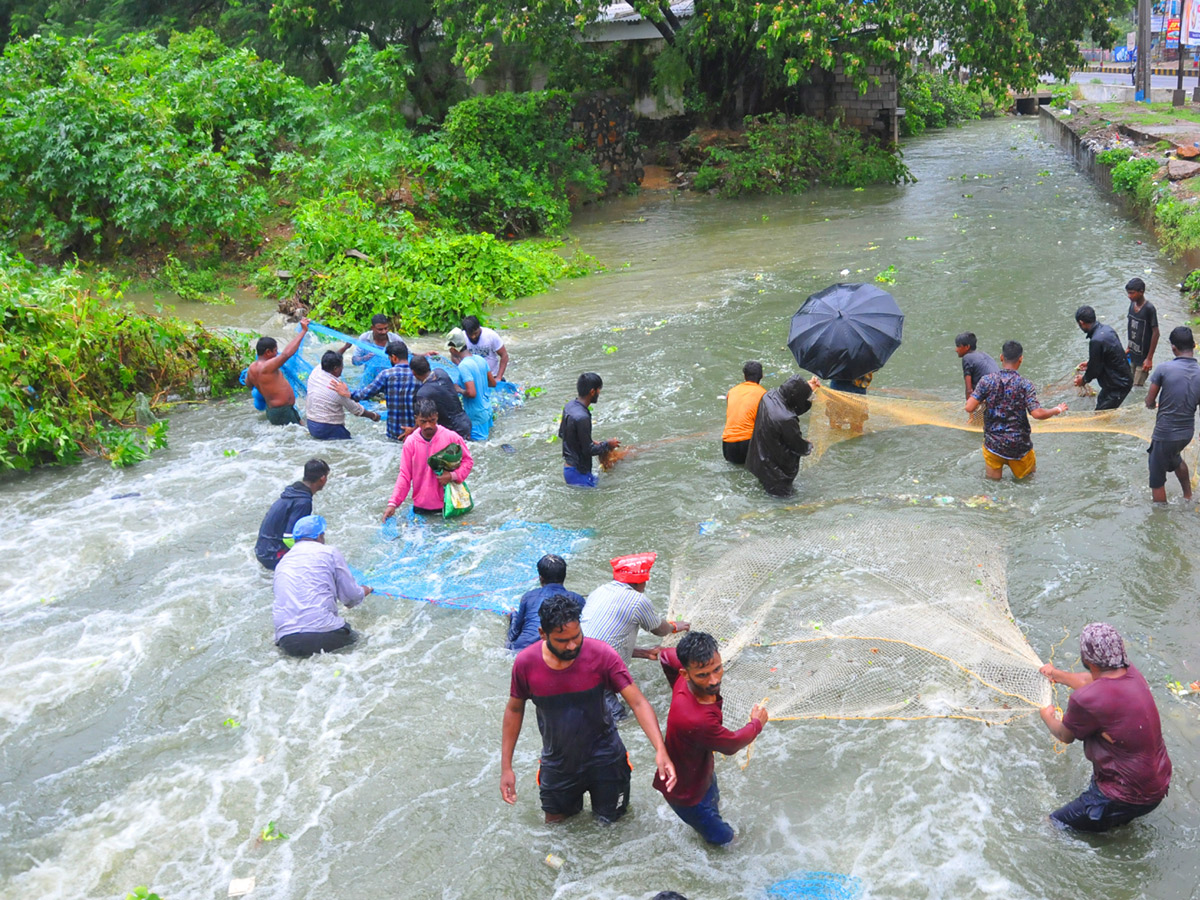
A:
{"points": [[862, 611]]}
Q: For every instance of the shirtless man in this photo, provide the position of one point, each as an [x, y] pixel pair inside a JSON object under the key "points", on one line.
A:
{"points": [[264, 374]]}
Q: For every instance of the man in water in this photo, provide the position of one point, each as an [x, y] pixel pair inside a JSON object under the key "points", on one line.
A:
{"points": [[1106, 364], [399, 387], [524, 625], [293, 504], [427, 486], [777, 444], [380, 335], [695, 728], [1175, 392], [741, 406], [436, 386], [486, 343], [264, 374], [327, 407], [475, 389], [1113, 712], [975, 363], [614, 612], [1142, 331], [309, 582], [566, 676], [1010, 399], [575, 432]]}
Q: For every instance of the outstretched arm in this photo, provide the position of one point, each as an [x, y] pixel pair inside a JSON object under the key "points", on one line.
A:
{"points": [[1073, 680], [276, 362], [514, 715], [644, 713], [1042, 413], [1060, 731]]}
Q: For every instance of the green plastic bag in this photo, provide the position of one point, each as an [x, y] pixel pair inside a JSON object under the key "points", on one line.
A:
{"points": [[457, 500]]}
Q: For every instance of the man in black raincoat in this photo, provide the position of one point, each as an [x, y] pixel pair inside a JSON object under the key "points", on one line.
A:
{"points": [[777, 445]]}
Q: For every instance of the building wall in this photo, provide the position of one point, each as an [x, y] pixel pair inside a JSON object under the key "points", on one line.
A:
{"points": [[602, 123], [831, 95]]}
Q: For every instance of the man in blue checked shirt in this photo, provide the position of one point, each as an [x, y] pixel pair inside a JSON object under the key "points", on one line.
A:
{"points": [[399, 387]]}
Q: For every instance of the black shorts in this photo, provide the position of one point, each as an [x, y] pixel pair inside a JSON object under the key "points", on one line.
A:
{"points": [[1110, 398], [1165, 456], [562, 792], [306, 643], [735, 451], [1093, 811]]}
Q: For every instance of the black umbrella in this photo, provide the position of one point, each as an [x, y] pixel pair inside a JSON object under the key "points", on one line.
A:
{"points": [[846, 331]]}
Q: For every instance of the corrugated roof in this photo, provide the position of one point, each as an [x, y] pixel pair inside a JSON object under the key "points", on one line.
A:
{"points": [[626, 14]]}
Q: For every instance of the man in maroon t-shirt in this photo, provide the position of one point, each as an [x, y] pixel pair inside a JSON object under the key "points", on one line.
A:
{"points": [[1113, 712], [566, 676], [695, 729]]}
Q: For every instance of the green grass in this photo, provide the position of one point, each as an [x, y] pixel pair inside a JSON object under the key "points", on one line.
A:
{"points": [[1147, 114]]}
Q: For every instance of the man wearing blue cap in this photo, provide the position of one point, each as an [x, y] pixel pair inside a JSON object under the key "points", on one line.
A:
{"points": [[309, 581]]}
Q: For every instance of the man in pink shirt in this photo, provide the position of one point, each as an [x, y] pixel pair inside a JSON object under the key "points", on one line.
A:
{"points": [[428, 488], [695, 728]]}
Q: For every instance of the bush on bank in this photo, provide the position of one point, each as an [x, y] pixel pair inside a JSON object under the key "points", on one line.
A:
{"points": [[784, 154], [1177, 220], [937, 100], [81, 371]]}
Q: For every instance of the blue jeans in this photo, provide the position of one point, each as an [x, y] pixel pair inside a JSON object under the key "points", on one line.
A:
{"points": [[325, 432], [575, 478], [1094, 811], [705, 817]]}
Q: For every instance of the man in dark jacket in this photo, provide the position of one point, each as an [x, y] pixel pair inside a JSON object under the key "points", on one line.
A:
{"points": [[575, 432], [777, 445], [293, 504], [1107, 364], [435, 385]]}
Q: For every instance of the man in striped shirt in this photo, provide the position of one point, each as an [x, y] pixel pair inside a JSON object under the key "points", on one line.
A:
{"points": [[614, 613]]}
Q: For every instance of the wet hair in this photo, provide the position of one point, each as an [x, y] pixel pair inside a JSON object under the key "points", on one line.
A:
{"points": [[552, 569], [425, 409], [265, 345], [752, 371], [966, 339], [470, 323], [668, 895], [1012, 351], [315, 470], [558, 611], [419, 365], [588, 382], [1135, 284], [1086, 315], [331, 361], [398, 349], [380, 319], [1181, 338], [696, 648]]}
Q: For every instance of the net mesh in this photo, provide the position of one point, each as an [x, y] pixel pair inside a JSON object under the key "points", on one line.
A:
{"points": [[824, 618], [465, 566], [817, 886]]}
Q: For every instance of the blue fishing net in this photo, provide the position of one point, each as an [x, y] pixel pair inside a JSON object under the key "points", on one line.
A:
{"points": [[817, 886], [465, 566]]}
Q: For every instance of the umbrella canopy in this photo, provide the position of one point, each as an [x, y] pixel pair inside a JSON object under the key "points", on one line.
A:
{"points": [[846, 331]]}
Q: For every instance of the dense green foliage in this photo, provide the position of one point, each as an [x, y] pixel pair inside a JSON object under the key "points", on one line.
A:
{"points": [[1176, 220], [81, 368], [935, 100], [1113, 156], [787, 155], [423, 280], [1128, 175]]}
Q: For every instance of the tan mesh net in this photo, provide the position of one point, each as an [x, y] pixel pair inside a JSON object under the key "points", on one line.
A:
{"points": [[849, 611]]}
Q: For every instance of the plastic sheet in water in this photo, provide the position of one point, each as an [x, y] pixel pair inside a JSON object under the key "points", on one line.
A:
{"points": [[817, 886], [466, 566]]}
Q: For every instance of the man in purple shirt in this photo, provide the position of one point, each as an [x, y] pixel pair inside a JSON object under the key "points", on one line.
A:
{"points": [[1112, 711]]}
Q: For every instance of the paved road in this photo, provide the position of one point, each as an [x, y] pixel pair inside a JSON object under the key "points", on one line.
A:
{"points": [[1158, 81]]}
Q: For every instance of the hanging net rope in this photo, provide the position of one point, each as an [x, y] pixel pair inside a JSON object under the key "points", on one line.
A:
{"points": [[899, 613], [465, 566], [838, 416]]}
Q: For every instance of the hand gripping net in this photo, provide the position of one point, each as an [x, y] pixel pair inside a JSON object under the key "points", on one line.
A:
{"points": [[847, 612]]}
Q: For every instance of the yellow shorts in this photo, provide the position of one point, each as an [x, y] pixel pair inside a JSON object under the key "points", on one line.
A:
{"points": [[1020, 467]]}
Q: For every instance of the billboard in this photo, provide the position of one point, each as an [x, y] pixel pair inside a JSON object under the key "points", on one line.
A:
{"points": [[1190, 26]]}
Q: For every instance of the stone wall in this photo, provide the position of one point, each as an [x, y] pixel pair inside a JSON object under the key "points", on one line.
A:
{"points": [[831, 95], [603, 123]]}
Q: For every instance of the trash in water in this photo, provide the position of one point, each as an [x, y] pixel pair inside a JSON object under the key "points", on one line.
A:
{"points": [[239, 887], [554, 862], [709, 527], [508, 448], [126, 496]]}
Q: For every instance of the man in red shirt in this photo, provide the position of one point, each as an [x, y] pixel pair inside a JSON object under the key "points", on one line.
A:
{"points": [[566, 676], [1112, 711], [695, 730]]}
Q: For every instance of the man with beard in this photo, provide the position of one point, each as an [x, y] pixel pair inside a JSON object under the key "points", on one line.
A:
{"points": [[695, 728], [776, 444], [566, 675]]}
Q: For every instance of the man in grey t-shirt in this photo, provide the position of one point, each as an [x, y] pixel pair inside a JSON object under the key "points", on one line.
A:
{"points": [[975, 363], [1175, 392]]}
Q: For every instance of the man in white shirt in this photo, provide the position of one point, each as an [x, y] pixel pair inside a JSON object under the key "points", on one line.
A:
{"points": [[486, 343], [615, 611], [326, 407]]}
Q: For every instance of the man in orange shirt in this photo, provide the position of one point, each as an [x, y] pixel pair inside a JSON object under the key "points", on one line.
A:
{"points": [[741, 406]]}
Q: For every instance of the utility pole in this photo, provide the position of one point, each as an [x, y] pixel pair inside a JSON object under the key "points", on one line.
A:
{"points": [[1142, 82]]}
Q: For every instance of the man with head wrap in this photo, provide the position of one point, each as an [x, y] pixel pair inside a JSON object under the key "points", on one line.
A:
{"points": [[776, 444], [1112, 711]]}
